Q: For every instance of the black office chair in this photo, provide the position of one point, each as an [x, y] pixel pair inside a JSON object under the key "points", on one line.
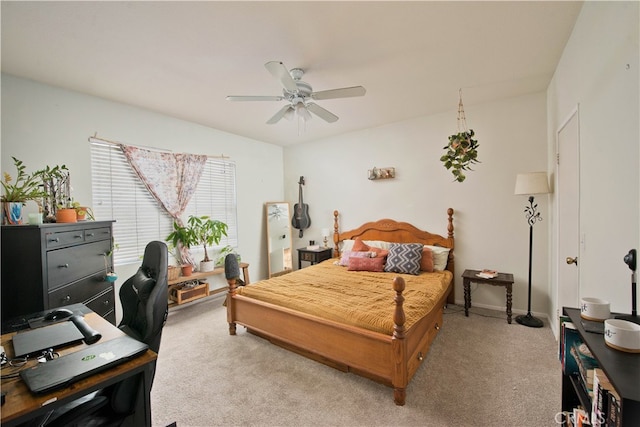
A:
{"points": [[144, 313]]}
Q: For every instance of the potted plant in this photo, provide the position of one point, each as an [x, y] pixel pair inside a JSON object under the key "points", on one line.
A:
{"points": [[223, 254], [56, 182], [207, 232], [82, 212], [17, 193], [200, 230], [462, 152]]}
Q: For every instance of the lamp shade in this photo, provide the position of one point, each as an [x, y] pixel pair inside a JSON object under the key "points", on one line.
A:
{"points": [[532, 183]]}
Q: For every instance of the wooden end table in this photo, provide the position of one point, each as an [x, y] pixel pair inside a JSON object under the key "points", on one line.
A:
{"points": [[502, 279], [313, 256]]}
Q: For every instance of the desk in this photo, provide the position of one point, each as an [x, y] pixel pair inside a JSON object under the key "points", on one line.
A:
{"points": [[502, 279], [21, 405]]}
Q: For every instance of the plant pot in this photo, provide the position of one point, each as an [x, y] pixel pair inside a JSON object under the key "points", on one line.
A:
{"points": [[81, 214], [111, 277], [187, 270], [66, 215], [12, 213], [207, 266]]}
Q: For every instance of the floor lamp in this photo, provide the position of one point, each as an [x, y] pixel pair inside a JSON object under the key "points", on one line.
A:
{"points": [[529, 184]]}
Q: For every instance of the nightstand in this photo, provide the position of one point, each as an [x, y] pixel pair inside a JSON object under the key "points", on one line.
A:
{"points": [[313, 256], [502, 279]]}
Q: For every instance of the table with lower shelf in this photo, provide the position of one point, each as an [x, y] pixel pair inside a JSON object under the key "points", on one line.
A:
{"points": [[180, 294], [502, 279], [313, 256]]}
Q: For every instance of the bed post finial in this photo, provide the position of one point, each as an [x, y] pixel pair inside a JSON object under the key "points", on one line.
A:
{"points": [[335, 233], [231, 305], [398, 316], [450, 226]]}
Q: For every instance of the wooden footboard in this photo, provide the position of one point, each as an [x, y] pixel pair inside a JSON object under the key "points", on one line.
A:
{"points": [[390, 360]]}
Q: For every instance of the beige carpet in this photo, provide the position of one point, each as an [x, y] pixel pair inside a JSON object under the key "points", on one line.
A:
{"points": [[480, 371]]}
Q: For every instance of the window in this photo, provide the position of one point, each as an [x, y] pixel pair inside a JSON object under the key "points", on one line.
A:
{"points": [[119, 194]]}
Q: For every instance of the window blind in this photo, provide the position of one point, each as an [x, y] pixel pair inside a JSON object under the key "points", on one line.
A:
{"points": [[119, 194]]}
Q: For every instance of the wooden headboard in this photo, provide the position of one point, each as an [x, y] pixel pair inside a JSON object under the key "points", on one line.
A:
{"points": [[389, 230]]}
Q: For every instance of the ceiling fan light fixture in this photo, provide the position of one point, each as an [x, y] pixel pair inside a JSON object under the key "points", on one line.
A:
{"points": [[301, 111], [290, 114]]}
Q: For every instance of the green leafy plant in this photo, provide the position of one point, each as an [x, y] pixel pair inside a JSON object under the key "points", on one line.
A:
{"points": [[462, 152], [223, 254], [25, 187], [55, 181], [200, 230]]}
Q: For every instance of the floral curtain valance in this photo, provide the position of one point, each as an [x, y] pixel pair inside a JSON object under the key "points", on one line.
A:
{"points": [[171, 178]]}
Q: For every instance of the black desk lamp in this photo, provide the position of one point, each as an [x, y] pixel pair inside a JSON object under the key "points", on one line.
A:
{"points": [[528, 184], [630, 260]]}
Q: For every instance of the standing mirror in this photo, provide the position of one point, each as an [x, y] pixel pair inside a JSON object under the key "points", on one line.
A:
{"points": [[279, 238]]}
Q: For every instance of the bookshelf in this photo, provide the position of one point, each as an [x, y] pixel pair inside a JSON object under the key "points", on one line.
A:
{"points": [[622, 369]]}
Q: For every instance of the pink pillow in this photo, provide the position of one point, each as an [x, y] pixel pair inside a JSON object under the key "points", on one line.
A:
{"points": [[426, 262], [344, 260], [366, 264]]}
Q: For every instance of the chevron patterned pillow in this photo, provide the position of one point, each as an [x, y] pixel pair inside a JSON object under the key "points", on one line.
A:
{"points": [[404, 258]]}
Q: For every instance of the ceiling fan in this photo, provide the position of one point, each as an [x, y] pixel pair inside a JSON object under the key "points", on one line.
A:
{"points": [[299, 95]]}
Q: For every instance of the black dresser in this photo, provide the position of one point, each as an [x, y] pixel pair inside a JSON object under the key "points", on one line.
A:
{"points": [[50, 265]]}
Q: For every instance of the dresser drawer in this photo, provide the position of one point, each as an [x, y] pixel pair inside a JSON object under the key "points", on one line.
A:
{"points": [[103, 303], [79, 291], [75, 262], [94, 234], [63, 238]]}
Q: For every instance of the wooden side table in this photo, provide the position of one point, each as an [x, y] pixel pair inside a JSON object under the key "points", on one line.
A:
{"points": [[502, 279], [313, 256]]}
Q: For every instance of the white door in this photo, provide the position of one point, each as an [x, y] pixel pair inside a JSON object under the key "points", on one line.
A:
{"points": [[568, 199]]}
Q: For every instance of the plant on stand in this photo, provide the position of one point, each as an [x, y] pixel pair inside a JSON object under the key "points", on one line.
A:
{"points": [[200, 230], [16, 193]]}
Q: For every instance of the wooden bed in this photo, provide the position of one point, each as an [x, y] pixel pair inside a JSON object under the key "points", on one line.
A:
{"points": [[391, 359]]}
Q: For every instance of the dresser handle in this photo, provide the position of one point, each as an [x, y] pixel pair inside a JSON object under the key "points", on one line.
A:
{"points": [[90, 234], [106, 303], [67, 298], [78, 236], [437, 327], [64, 266], [54, 240], [420, 356]]}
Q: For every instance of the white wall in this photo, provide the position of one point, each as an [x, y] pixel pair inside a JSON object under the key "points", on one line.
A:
{"points": [[599, 72], [43, 125], [490, 228]]}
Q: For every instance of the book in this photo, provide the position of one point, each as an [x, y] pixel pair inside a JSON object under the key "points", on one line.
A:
{"points": [[569, 336], [602, 389], [586, 364], [487, 274]]}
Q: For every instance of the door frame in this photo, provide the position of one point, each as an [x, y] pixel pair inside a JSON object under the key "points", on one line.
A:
{"points": [[558, 258]]}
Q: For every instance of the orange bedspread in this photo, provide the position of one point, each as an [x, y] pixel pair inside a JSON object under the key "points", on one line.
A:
{"points": [[358, 298]]}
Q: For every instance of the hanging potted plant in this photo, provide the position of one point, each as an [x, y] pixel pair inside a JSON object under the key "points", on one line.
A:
{"points": [[462, 152], [16, 193], [462, 149]]}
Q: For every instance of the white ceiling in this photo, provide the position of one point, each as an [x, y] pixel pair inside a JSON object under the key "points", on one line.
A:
{"points": [[183, 58]]}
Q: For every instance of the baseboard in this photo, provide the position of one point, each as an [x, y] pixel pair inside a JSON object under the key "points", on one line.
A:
{"points": [[543, 316]]}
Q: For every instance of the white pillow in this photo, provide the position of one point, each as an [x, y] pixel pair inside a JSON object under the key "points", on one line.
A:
{"points": [[347, 245], [378, 244], [440, 257]]}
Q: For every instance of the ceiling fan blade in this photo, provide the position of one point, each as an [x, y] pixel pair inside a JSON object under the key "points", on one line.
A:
{"points": [[280, 72], [280, 114], [345, 92], [255, 98], [322, 113]]}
